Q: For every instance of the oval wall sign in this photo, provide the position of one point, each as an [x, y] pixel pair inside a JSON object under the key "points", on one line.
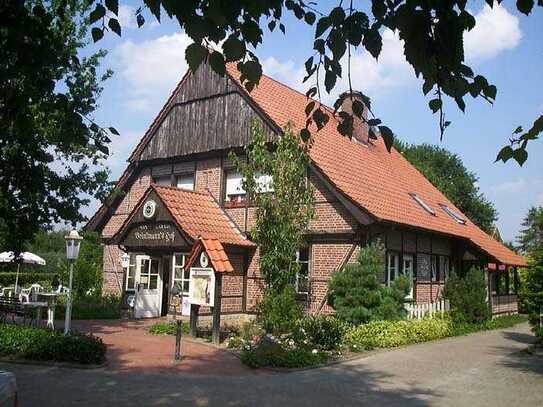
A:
{"points": [[204, 261], [149, 209]]}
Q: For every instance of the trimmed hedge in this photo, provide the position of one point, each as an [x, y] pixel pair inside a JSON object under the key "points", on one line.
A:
{"points": [[390, 334], [46, 345], [108, 307], [26, 278]]}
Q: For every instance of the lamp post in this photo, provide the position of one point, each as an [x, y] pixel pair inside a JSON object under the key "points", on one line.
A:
{"points": [[73, 241]]}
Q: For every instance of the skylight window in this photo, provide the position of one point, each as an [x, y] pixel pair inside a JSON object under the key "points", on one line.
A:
{"points": [[424, 205], [456, 216]]}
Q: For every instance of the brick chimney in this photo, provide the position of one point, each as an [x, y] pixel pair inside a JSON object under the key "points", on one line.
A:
{"points": [[360, 129]]}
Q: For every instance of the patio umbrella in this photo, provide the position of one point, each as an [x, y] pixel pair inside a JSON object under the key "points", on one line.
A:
{"points": [[24, 257]]}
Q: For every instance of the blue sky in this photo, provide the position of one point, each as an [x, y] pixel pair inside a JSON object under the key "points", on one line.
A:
{"points": [[504, 47]]}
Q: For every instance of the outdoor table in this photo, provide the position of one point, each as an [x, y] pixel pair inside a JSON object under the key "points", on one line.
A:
{"points": [[50, 299]]}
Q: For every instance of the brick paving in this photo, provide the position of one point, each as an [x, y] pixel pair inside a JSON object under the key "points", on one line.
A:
{"points": [[132, 348]]}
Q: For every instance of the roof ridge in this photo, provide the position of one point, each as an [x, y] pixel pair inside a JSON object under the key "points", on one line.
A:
{"points": [[180, 189]]}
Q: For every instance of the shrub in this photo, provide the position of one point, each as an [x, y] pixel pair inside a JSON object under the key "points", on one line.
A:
{"points": [[468, 297], [532, 292], [278, 312], [107, 307], [46, 345], [167, 328], [388, 334], [358, 296], [322, 332], [270, 353]]}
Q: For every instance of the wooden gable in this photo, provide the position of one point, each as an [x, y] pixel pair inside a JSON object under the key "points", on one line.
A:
{"points": [[207, 113], [159, 232]]}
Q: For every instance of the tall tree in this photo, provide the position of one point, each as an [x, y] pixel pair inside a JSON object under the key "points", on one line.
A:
{"points": [[52, 151], [447, 172], [432, 32], [531, 236]]}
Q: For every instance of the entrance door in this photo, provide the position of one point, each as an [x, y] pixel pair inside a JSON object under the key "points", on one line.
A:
{"points": [[149, 287], [408, 272]]}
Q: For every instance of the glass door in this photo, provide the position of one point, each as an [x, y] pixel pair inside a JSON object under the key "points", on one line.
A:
{"points": [[149, 287]]}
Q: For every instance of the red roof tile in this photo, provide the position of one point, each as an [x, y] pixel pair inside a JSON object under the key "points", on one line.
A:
{"points": [[215, 252], [373, 178], [198, 215]]}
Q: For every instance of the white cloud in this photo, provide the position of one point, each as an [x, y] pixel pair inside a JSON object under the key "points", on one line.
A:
{"points": [[496, 30], [285, 72], [151, 69], [539, 199], [127, 16], [510, 187]]}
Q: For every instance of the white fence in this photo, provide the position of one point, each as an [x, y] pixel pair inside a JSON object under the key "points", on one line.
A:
{"points": [[418, 311]]}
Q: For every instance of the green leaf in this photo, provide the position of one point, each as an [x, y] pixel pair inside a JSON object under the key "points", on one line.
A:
{"points": [[97, 34], [525, 7], [505, 154], [373, 42], [310, 18], [113, 6], [98, 13], [233, 48], [337, 15], [520, 155], [282, 27], [435, 105], [309, 65], [358, 108], [490, 92], [518, 130], [309, 107], [374, 122], [271, 25], [216, 60], [140, 20], [329, 80], [461, 104], [388, 136], [305, 135], [195, 55], [113, 130], [115, 26], [427, 87], [322, 25]]}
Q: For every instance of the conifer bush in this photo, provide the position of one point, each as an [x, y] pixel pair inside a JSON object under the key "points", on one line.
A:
{"points": [[468, 297]]}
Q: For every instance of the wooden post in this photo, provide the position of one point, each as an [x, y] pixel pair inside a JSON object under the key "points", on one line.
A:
{"points": [[216, 329], [194, 310]]}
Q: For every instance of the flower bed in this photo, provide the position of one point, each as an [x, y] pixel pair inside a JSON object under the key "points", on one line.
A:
{"points": [[21, 342], [167, 328]]}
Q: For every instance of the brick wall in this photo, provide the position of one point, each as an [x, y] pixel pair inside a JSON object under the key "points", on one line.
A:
{"points": [[113, 272], [208, 177], [428, 292], [325, 259]]}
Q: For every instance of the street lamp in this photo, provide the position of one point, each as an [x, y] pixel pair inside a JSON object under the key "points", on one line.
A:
{"points": [[73, 241]]}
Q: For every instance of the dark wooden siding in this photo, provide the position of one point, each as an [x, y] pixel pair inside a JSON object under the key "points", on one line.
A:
{"points": [[209, 114]]}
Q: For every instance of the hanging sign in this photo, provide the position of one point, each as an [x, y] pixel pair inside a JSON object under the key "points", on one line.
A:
{"points": [[185, 307], [202, 286]]}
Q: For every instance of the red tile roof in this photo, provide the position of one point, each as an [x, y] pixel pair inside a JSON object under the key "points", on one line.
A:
{"points": [[373, 178], [215, 252], [199, 215]]}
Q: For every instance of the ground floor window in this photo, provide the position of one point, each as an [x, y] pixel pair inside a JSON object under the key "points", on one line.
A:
{"points": [[129, 270], [181, 275], [301, 282], [393, 266]]}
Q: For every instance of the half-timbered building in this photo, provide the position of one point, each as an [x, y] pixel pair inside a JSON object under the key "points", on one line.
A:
{"points": [[180, 192]]}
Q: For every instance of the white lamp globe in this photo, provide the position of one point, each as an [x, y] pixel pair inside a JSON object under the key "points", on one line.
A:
{"points": [[73, 241]]}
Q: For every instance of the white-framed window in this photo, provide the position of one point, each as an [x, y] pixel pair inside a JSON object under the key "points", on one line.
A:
{"points": [[444, 267], [164, 180], [408, 270], [128, 263], [185, 181], [181, 276], [301, 282], [234, 187], [393, 266], [434, 270]]}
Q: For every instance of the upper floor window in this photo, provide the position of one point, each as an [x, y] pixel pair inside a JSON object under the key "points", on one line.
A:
{"points": [[424, 205], [164, 180], [301, 283], [453, 214], [185, 181], [234, 186]]}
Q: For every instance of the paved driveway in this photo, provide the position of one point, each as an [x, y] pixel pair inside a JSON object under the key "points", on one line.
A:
{"points": [[483, 369]]}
